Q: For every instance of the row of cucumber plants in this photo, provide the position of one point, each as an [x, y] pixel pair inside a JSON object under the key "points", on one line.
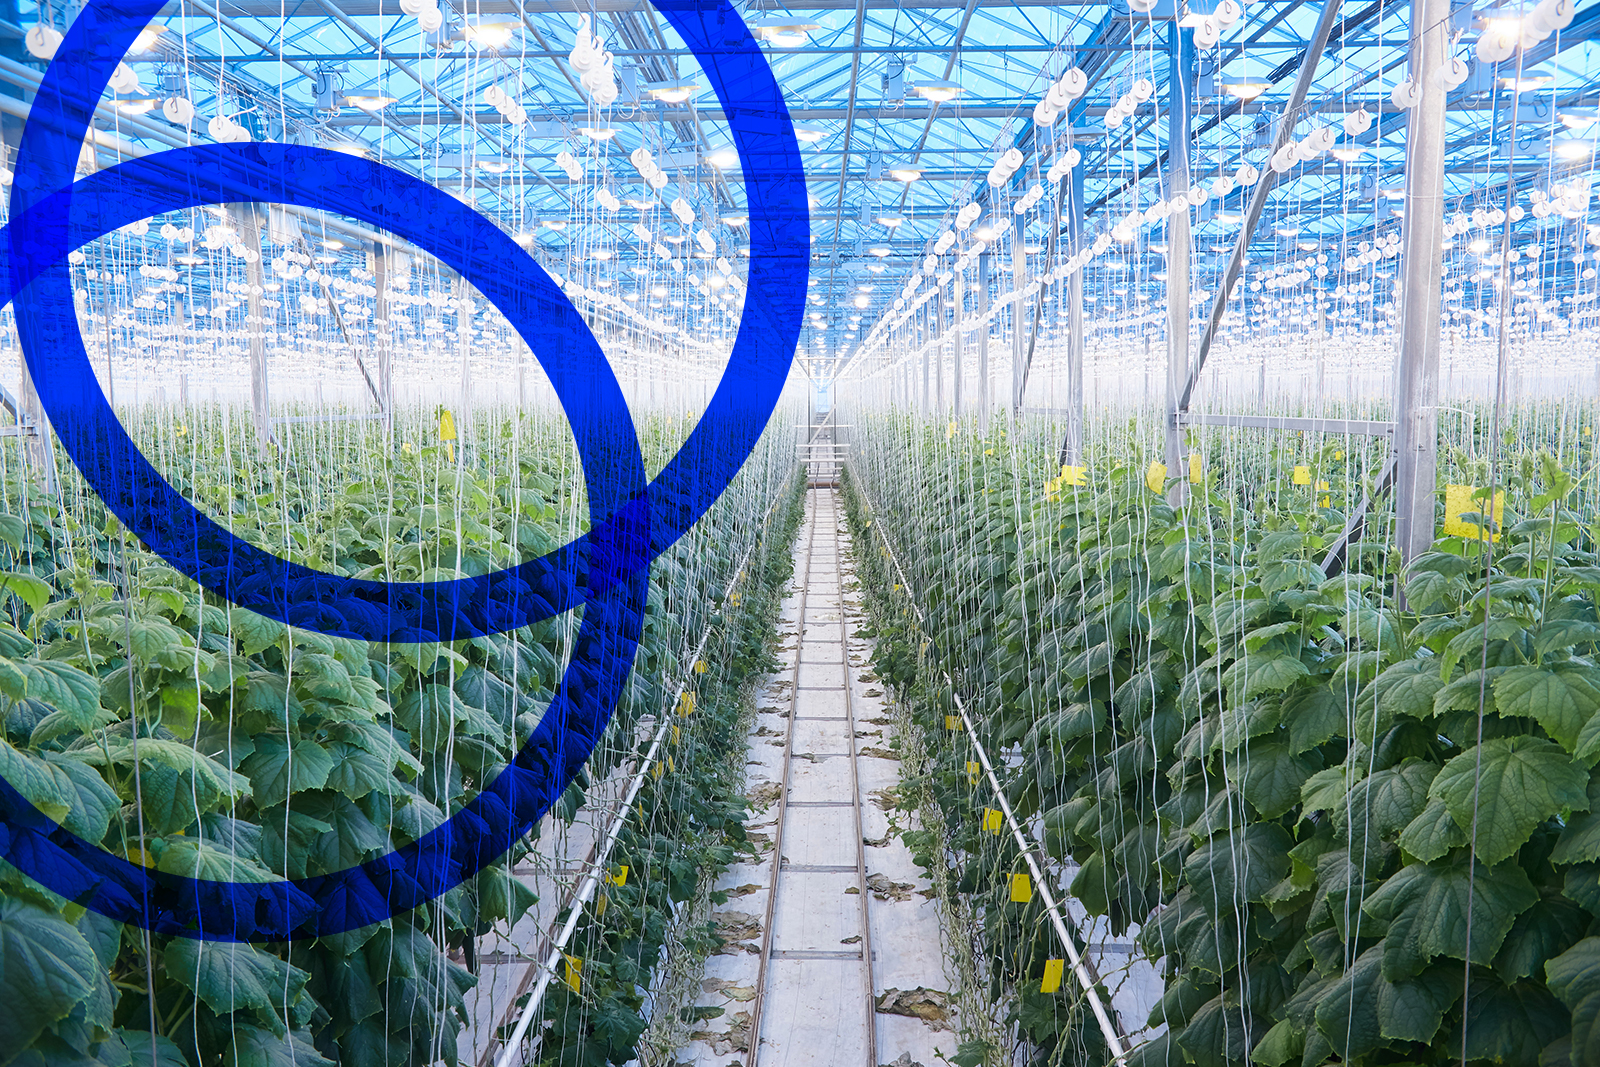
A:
{"points": [[689, 829], [1350, 816], [202, 740]]}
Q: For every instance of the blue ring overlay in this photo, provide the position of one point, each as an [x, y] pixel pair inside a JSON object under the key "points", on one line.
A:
{"points": [[606, 572]]}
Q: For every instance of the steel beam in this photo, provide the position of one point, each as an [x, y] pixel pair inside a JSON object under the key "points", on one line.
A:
{"points": [[1181, 84], [1416, 401]]}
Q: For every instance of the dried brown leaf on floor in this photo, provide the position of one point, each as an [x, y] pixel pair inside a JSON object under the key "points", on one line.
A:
{"points": [[853, 939], [932, 1006], [763, 795], [879, 721], [744, 890], [886, 799], [872, 693], [876, 842], [736, 1038], [885, 888], [730, 989], [879, 753], [905, 1060], [736, 925]]}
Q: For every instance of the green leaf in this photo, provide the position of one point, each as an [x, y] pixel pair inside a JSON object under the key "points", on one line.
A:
{"points": [[1504, 788], [1432, 833], [230, 976], [1541, 933], [13, 531], [278, 769], [65, 688], [197, 859], [254, 632], [1511, 1024], [1574, 977], [1363, 1009], [34, 592], [1273, 777], [36, 780], [1326, 790], [251, 1046], [1233, 868], [153, 1049], [1314, 716], [46, 970], [1386, 801], [1264, 674], [91, 802], [1217, 1035], [1562, 698], [1281, 1044], [1426, 905], [1408, 689]]}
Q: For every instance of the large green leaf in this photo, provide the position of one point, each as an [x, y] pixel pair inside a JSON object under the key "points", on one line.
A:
{"points": [[46, 970], [254, 632], [1407, 688], [1364, 1009], [1511, 1024], [1561, 698], [278, 769], [1500, 791], [1273, 672], [1314, 716], [1426, 906], [1432, 833], [1574, 977], [230, 976], [1233, 868], [1386, 801], [251, 1046], [1274, 775], [65, 688]]}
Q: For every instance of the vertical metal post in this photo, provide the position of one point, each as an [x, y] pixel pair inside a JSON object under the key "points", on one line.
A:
{"points": [[1019, 280], [1182, 83], [938, 338], [382, 334], [957, 372], [984, 396], [249, 222], [1072, 439], [920, 332], [1416, 438], [464, 339]]}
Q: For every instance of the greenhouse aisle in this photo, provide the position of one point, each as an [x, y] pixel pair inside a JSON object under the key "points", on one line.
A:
{"points": [[851, 917]]}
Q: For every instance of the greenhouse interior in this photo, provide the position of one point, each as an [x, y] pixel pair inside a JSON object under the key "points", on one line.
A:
{"points": [[799, 533]]}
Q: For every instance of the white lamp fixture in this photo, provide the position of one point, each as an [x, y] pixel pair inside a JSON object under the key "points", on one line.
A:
{"points": [[723, 158], [808, 135], [1245, 87], [147, 38], [784, 31], [905, 174], [490, 34], [938, 90], [597, 133], [673, 92], [375, 102]]}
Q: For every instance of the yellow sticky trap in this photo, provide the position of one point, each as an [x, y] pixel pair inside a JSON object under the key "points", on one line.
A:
{"points": [[670, 767], [1327, 502], [621, 877], [1338, 455], [600, 906], [1197, 472], [1053, 970], [733, 600], [685, 705], [1302, 476], [1458, 500], [700, 666], [952, 722], [573, 972], [1021, 889], [655, 772], [1155, 477], [447, 426], [972, 771], [951, 432], [1322, 487], [183, 429], [677, 735], [1071, 475], [991, 820]]}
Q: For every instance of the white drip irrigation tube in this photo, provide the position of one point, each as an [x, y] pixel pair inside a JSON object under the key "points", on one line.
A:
{"points": [[1080, 969], [591, 880]]}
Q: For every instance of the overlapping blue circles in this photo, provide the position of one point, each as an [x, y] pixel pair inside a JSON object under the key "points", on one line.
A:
{"points": [[606, 572]]}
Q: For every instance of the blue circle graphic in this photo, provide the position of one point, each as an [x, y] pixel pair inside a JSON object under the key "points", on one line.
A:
{"points": [[606, 571]]}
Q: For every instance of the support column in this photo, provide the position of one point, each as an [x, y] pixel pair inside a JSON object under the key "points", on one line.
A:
{"points": [[1182, 82], [1416, 438], [1019, 281], [383, 335], [938, 347], [249, 222], [958, 287], [1072, 439], [985, 397], [464, 338]]}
